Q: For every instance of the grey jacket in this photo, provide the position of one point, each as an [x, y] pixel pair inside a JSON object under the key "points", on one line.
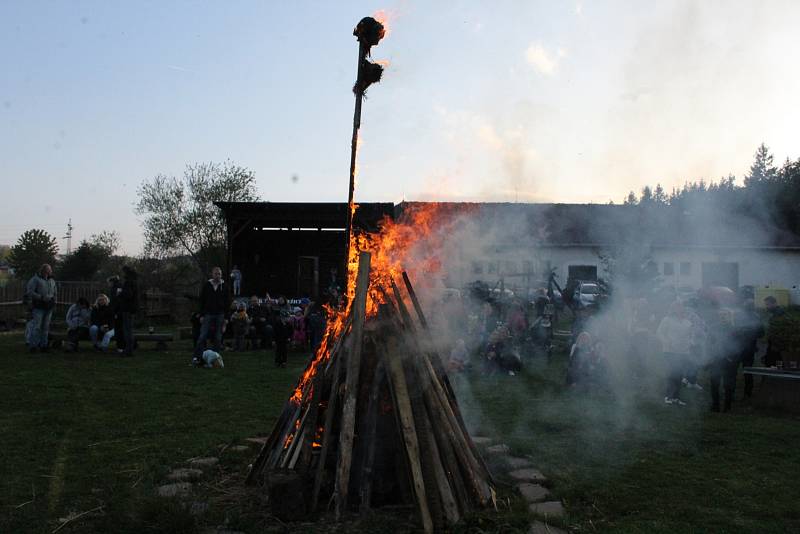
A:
{"points": [[41, 291], [77, 316]]}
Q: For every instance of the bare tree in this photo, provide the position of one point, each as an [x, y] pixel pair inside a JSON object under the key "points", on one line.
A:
{"points": [[180, 216]]}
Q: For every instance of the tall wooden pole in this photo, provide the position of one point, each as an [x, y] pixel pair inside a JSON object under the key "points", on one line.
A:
{"points": [[363, 50]]}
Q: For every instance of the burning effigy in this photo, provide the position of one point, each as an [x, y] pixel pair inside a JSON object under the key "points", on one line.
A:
{"points": [[373, 419]]}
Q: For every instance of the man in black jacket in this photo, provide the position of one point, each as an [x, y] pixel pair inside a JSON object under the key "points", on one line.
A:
{"points": [[214, 304], [260, 328], [128, 305]]}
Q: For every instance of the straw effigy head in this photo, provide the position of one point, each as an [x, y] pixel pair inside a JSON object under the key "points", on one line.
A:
{"points": [[369, 31]]}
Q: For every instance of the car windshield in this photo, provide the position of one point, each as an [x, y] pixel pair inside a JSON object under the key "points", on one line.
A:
{"points": [[589, 289]]}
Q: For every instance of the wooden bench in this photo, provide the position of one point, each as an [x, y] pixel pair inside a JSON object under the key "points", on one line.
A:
{"points": [[779, 388], [57, 338]]}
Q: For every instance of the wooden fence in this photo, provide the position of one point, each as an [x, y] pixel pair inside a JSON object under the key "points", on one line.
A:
{"points": [[153, 303]]}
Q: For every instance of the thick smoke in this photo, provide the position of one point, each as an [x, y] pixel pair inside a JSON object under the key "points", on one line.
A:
{"points": [[512, 247]]}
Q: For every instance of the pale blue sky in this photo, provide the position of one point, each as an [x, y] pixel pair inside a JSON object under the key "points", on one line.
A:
{"points": [[528, 101]]}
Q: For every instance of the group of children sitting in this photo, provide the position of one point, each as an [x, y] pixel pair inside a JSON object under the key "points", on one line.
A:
{"points": [[262, 324]]}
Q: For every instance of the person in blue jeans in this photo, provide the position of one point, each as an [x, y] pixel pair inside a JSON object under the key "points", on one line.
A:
{"points": [[214, 304], [41, 290]]}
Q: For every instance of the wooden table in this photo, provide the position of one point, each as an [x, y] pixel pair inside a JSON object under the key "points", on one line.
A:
{"points": [[780, 388]]}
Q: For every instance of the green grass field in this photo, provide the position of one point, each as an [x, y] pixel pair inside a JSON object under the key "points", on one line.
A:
{"points": [[85, 430]]}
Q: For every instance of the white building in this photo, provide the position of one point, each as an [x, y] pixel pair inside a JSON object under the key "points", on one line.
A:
{"points": [[516, 245]]}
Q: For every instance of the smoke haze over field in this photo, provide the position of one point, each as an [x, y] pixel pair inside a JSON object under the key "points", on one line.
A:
{"points": [[519, 101]]}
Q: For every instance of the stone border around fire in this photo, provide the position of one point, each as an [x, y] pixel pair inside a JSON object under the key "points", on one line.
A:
{"points": [[528, 481]]}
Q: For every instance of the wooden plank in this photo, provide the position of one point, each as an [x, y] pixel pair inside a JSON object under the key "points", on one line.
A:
{"points": [[266, 449], [427, 442], [442, 433], [444, 381], [475, 467], [448, 501], [370, 436], [347, 432], [402, 307], [310, 429], [408, 430], [415, 301], [327, 435]]}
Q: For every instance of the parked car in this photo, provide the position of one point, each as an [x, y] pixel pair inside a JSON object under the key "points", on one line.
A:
{"points": [[586, 294]]}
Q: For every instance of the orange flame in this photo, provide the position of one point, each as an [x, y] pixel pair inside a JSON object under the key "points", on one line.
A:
{"points": [[411, 243], [383, 16]]}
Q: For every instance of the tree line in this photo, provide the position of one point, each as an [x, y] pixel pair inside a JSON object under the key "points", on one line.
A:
{"points": [[768, 192]]}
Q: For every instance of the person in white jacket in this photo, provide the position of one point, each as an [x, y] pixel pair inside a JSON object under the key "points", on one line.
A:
{"points": [[675, 334]]}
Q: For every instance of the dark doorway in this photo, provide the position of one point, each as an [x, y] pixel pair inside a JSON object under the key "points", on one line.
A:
{"points": [[721, 274], [586, 273], [308, 276]]}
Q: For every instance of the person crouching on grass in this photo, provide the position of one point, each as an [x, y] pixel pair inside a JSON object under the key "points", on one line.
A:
{"points": [[675, 334], [210, 360]]}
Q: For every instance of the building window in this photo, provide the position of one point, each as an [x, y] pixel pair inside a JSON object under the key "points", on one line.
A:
{"points": [[509, 267], [477, 267], [492, 267], [686, 268], [669, 268]]}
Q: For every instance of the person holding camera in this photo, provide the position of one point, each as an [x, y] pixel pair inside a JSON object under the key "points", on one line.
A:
{"points": [[41, 290]]}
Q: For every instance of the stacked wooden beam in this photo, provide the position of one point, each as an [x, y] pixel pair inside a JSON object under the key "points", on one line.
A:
{"points": [[378, 422]]}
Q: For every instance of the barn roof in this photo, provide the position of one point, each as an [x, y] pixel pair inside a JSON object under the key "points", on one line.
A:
{"points": [[551, 224]]}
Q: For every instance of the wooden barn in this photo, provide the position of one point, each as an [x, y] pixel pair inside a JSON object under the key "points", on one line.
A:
{"points": [[292, 249]]}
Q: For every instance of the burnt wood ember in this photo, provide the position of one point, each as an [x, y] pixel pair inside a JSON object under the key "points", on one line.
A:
{"points": [[390, 429]]}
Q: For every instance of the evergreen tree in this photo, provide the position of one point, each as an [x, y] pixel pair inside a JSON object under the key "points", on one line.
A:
{"points": [[647, 195], [659, 196], [34, 248], [762, 170]]}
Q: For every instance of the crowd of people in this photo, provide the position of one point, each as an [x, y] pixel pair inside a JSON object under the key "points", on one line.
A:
{"points": [[501, 334], [683, 336], [109, 317], [255, 323]]}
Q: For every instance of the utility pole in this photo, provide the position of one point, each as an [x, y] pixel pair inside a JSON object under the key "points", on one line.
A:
{"points": [[68, 237]]}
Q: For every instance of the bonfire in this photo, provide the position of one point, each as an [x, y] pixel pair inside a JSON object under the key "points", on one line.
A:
{"points": [[374, 420]]}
